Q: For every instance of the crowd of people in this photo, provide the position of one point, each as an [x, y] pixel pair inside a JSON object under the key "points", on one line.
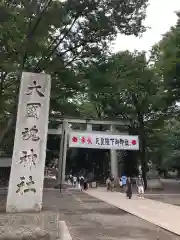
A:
{"points": [[126, 184], [80, 182]]}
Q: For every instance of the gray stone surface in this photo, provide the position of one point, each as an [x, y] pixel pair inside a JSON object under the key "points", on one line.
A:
{"points": [[154, 184], [173, 199], [88, 218], [42, 226], [27, 170], [25, 233]]}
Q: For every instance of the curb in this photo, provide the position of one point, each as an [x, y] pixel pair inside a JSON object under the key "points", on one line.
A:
{"points": [[63, 231]]}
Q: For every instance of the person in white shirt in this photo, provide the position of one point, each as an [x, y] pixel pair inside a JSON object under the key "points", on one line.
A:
{"points": [[140, 186], [108, 182], [74, 181]]}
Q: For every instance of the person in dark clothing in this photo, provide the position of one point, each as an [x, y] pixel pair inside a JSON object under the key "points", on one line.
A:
{"points": [[111, 182], [71, 179], [81, 182], [85, 184], [129, 188]]}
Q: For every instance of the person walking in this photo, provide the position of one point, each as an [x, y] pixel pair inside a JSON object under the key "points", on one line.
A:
{"points": [[129, 188], [120, 183], [124, 179], [112, 185], [78, 182], [85, 184], [108, 183], [140, 186], [81, 183], [71, 179], [74, 181]]}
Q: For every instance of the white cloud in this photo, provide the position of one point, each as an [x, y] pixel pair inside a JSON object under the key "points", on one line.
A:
{"points": [[160, 17]]}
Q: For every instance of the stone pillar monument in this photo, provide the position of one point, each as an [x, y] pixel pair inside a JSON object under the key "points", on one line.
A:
{"points": [[28, 161]]}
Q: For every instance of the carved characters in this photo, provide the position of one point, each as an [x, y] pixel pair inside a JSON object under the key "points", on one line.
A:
{"points": [[29, 185], [28, 159], [25, 186], [21, 186], [30, 133], [33, 110], [36, 88]]}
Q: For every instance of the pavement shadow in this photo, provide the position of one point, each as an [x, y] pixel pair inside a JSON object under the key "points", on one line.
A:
{"points": [[122, 231]]}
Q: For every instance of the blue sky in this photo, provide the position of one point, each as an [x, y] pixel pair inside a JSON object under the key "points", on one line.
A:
{"points": [[160, 17]]}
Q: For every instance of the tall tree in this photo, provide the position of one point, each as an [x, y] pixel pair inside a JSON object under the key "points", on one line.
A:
{"points": [[50, 36], [126, 87], [167, 62], [170, 154], [165, 59]]}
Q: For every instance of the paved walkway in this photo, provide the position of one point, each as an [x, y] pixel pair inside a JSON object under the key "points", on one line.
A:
{"points": [[88, 218], [161, 214]]}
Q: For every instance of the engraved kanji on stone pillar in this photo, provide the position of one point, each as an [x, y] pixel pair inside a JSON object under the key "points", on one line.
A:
{"points": [[28, 161]]}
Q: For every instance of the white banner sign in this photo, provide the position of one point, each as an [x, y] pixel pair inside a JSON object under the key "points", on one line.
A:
{"points": [[103, 141]]}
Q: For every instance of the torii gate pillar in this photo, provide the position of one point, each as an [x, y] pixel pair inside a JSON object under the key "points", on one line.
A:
{"points": [[63, 153], [113, 158]]}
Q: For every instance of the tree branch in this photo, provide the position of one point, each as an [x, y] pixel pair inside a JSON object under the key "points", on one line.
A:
{"points": [[37, 68], [3, 76], [39, 18], [2, 79], [31, 33], [72, 60]]}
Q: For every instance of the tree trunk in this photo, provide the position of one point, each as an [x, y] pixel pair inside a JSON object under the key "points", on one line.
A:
{"points": [[142, 139], [2, 79], [10, 122], [142, 149], [13, 112], [144, 170], [6, 130]]}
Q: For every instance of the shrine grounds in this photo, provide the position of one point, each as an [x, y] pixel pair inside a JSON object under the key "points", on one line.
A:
{"points": [[87, 218]]}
